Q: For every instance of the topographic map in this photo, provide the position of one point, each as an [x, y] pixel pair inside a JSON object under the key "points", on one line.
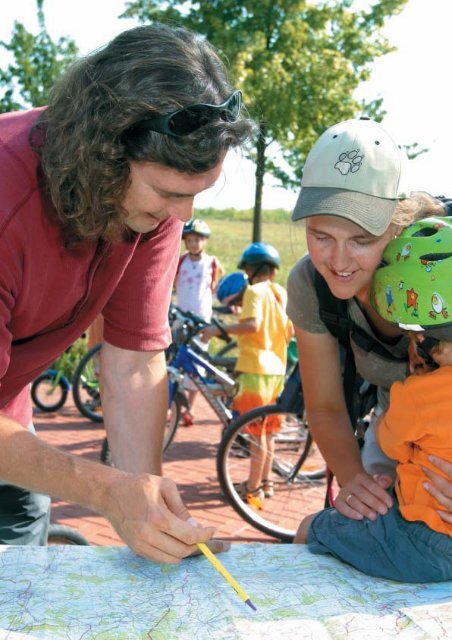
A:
{"points": [[87, 593]]}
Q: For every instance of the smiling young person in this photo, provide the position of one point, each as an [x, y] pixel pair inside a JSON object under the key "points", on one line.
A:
{"points": [[94, 192], [354, 201]]}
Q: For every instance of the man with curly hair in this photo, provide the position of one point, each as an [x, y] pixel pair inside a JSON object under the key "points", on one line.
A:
{"points": [[94, 193]]}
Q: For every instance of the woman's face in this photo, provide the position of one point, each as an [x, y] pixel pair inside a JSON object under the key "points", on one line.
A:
{"points": [[344, 254]]}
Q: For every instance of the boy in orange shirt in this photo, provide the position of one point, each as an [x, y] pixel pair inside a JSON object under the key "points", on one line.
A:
{"points": [[412, 542]]}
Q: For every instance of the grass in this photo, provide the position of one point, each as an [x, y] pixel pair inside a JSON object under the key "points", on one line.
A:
{"points": [[230, 237]]}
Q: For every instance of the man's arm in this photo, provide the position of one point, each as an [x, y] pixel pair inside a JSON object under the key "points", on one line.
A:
{"points": [[146, 511], [134, 390]]}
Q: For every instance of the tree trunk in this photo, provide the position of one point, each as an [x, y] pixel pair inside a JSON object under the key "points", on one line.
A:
{"points": [[261, 147]]}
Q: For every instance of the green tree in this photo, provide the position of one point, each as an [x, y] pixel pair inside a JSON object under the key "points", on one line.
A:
{"points": [[298, 63], [37, 62]]}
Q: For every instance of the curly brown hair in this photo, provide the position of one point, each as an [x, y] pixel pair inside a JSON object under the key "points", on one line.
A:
{"points": [[88, 133]]}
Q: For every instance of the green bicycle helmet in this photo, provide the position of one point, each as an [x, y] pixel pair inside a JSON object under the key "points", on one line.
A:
{"points": [[197, 226], [413, 285]]}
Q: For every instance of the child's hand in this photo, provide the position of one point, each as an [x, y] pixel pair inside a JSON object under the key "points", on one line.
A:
{"points": [[209, 332]]}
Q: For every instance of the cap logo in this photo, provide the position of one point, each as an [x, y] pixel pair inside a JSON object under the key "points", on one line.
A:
{"points": [[349, 162]]}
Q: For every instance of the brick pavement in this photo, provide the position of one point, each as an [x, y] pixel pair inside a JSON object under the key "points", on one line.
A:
{"points": [[190, 461]]}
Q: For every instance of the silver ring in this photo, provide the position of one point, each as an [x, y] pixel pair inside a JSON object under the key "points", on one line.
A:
{"points": [[348, 498]]}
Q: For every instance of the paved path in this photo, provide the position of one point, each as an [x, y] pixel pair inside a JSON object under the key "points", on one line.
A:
{"points": [[189, 461]]}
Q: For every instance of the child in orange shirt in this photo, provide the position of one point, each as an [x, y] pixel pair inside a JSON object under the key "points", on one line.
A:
{"points": [[412, 542]]}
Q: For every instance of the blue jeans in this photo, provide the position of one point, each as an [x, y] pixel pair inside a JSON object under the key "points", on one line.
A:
{"points": [[389, 547]]}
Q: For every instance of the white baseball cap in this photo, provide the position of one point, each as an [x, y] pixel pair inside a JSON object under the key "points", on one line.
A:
{"points": [[356, 171]]}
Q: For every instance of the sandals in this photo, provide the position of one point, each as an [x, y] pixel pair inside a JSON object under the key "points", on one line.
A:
{"points": [[254, 498], [268, 488]]}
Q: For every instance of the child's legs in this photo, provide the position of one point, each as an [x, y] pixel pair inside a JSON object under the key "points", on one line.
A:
{"points": [[258, 456], [301, 537], [270, 453], [389, 547], [255, 391]]}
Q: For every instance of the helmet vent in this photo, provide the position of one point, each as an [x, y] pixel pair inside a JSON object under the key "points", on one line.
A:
{"points": [[435, 257], [424, 232]]}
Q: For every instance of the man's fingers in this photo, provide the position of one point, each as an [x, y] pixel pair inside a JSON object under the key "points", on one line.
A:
{"points": [[178, 517], [216, 546]]}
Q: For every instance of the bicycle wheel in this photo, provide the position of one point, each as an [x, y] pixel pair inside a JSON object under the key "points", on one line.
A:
{"points": [[298, 472], [46, 395], [172, 421], [61, 534], [85, 387]]}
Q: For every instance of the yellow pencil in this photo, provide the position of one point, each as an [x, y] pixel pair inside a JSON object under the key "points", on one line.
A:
{"points": [[226, 575]]}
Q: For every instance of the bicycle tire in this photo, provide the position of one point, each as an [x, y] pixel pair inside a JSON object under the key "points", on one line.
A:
{"points": [[170, 430], [62, 534], [85, 387], [298, 472], [40, 391]]}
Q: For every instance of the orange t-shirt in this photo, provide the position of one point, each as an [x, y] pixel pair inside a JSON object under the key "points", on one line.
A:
{"points": [[417, 424]]}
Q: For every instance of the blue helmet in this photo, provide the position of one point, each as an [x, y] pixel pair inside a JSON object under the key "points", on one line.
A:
{"points": [[197, 226], [231, 285], [259, 253]]}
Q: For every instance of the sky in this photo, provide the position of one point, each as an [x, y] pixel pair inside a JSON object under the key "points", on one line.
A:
{"points": [[415, 83]]}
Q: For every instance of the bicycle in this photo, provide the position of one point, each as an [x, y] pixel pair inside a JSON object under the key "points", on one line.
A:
{"points": [[299, 471], [212, 375], [62, 534], [50, 390]]}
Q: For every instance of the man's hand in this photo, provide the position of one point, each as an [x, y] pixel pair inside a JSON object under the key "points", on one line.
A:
{"points": [[364, 497], [149, 515]]}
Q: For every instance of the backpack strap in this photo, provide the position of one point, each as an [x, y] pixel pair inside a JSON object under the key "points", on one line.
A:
{"points": [[332, 311], [334, 314]]}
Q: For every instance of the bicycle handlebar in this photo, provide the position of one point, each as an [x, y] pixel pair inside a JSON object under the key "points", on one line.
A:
{"points": [[200, 324]]}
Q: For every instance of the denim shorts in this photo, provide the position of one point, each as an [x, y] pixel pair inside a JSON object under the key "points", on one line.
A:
{"points": [[390, 547]]}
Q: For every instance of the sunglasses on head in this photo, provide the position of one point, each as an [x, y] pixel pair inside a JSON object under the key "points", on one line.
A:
{"points": [[424, 349], [194, 116]]}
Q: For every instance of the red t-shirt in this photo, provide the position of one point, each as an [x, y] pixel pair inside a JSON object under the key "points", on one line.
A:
{"points": [[49, 295]]}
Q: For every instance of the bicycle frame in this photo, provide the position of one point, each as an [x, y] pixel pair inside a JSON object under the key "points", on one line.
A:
{"points": [[210, 381]]}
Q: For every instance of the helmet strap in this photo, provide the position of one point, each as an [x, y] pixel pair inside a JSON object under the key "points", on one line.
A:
{"points": [[256, 272]]}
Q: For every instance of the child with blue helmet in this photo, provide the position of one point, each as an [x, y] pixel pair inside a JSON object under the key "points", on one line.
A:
{"points": [[263, 332]]}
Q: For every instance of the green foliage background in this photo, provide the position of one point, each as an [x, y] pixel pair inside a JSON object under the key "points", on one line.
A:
{"points": [[231, 233]]}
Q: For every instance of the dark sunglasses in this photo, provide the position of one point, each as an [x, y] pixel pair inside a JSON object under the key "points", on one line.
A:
{"points": [[424, 349], [188, 119]]}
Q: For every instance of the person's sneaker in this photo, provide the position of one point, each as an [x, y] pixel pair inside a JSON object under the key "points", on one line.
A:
{"points": [[268, 488], [254, 498]]}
